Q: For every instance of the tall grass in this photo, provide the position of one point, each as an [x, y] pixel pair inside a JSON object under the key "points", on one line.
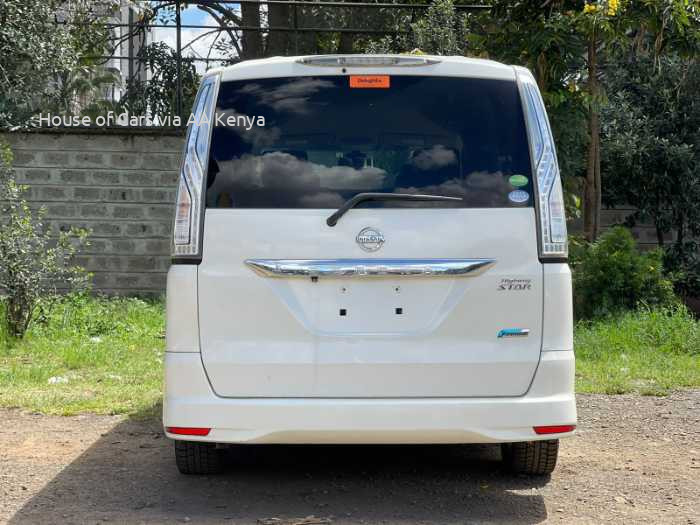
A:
{"points": [[88, 354], [105, 356], [650, 351]]}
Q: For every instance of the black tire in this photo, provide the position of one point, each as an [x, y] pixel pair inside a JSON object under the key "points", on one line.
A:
{"points": [[193, 457], [537, 458]]}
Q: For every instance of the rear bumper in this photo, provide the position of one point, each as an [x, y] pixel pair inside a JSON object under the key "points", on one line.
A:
{"points": [[190, 402]]}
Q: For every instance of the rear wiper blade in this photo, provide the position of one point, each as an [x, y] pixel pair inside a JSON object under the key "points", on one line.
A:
{"points": [[363, 197]]}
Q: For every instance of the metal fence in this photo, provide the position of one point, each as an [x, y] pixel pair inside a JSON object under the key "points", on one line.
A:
{"points": [[134, 31]]}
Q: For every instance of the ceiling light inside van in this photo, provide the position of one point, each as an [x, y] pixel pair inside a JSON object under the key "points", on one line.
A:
{"points": [[367, 61]]}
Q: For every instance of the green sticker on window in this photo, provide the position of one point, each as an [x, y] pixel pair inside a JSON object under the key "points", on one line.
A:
{"points": [[518, 180]]}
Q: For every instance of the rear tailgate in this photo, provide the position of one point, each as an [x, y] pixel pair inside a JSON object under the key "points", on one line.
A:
{"points": [[270, 189], [342, 336]]}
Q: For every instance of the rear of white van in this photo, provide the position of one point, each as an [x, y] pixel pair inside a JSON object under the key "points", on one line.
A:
{"points": [[369, 249]]}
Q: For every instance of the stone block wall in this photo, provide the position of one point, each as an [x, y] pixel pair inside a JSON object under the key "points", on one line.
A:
{"points": [[120, 184]]}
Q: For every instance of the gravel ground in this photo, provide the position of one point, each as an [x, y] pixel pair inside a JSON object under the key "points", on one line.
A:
{"points": [[635, 459]]}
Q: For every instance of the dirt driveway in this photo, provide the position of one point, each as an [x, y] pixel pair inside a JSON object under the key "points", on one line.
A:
{"points": [[635, 459]]}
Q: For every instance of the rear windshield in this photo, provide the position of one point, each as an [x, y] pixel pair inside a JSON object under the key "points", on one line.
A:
{"points": [[315, 142]]}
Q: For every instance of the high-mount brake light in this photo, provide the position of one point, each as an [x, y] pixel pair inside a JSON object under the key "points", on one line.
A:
{"points": [[553, 243], [187, 242], [367, 61]]}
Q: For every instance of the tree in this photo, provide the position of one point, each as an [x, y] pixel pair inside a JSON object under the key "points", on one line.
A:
{"points": [[560, 42], [33, 50], [80, 86], [544, 38], [651, 151], [613, 28], [441, 31], [47, 58], [249, 32], [157, 96], [34, 262], [567, 45], [651, 138], [600, 24]]}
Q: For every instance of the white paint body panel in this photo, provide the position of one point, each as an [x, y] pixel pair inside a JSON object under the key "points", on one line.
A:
{"points": [[290, 67], [190, 402], [558, 324], [264, 337], [270, 360], [182, 325]]}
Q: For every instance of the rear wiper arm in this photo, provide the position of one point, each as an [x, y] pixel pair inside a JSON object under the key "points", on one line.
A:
{"points": [[363, 197]]}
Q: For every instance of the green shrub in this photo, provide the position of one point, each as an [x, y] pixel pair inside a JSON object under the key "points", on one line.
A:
{"points": [[682, 263], [611, 275], [33, 259]]}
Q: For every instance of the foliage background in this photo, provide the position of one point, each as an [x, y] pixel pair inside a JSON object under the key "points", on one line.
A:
{"points": [[619, 78]]}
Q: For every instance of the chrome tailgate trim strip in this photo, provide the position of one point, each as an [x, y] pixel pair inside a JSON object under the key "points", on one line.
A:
{"points": [[370, 267]]}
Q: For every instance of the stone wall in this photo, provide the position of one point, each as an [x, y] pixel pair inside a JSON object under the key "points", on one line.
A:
{"points": [[119, 184], [645, 234]]}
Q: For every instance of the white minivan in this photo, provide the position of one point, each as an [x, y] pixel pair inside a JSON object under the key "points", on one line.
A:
{"points": [[369, 249]]}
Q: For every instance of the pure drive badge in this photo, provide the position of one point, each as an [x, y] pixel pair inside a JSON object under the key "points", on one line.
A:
{"points": [[370, 239]]}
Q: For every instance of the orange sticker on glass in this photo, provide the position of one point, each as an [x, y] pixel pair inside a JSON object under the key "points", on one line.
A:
{"points": [[369, 81]]}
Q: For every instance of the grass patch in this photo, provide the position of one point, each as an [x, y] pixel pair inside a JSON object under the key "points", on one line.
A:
{"points": [[89, 355], [649, 351], [105, 356]]}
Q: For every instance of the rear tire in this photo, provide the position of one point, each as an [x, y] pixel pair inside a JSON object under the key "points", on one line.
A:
{"points": [[536, 458], [193, 457]]}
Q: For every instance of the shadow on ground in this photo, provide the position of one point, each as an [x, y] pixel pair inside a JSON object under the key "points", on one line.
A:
{"points": [[129, 475]]}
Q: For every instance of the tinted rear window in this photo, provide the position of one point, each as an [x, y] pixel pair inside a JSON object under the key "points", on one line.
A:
{"points": [[322, 142]]}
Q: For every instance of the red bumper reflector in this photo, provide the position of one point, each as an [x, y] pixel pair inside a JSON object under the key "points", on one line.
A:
{"points": [[188, 431], [554, 429]]}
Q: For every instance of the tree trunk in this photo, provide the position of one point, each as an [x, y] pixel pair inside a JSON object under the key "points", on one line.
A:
{"points": [[252, 40], [593, 187], [352, 18], [680, 230], [278, 41], [346, 43], [306, 42], [659, 235], [598, 178]]}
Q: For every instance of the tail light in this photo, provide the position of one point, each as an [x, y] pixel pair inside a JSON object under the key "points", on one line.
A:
{"points": [[188, 431], [189, 211], [183, 211], [553, 246], [554, 429]]}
